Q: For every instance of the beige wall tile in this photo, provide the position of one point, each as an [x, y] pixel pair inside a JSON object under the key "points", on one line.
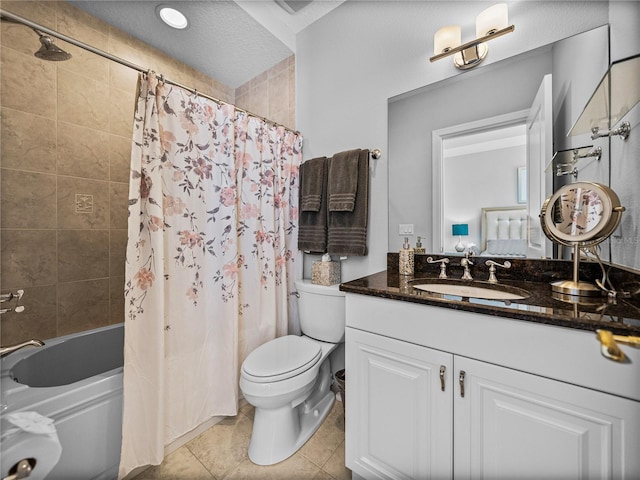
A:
{"points": [[119, 158], [28, 84], [28, 258], [83, 255], [121, 110], [85, 63], [119, 195], [75, 21], [83, 305], [38, 320], [22, 38], [28, 199], [116, 299], [83, 152], [224, 93], [82, 100], [28, 141], [260, 99], [117, 251], [122, 78], [93, 209], [127, 47]]}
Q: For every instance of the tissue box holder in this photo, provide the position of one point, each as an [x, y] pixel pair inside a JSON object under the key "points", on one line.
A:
{"points": [[325, 273]]}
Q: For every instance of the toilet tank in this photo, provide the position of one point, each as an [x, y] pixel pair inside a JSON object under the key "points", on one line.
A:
{"points": [[322, 311]]}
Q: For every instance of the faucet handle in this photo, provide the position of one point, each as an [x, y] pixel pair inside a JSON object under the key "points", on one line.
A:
{"points": [[7, 297], [492, 269], [443, 265]]}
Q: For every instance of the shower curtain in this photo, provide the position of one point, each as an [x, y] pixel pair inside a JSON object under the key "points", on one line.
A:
{"points": [[211, 260]]}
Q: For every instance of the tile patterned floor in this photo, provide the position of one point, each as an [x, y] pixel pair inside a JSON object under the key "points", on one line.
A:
{"points": [[220, 453]]}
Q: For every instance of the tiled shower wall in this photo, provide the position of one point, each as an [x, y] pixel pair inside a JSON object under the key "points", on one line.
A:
{"points": [[272, 93], [65, 146]]}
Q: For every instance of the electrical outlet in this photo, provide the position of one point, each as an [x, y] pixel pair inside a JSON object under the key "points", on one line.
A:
{"points": [[405, 229]]}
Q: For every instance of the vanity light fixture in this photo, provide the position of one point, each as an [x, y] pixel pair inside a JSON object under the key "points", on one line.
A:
{"points": [[172, 17], [460, 229], [491, 23]]}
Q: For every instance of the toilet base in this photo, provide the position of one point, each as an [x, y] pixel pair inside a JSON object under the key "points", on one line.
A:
{"points": [[279, 433]]}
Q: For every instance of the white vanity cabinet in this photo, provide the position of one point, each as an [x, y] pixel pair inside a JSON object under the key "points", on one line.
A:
{"points": [[400, 408], [534, 403]]}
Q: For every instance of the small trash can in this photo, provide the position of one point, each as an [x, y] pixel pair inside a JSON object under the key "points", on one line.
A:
{"points": [[341, 380]]}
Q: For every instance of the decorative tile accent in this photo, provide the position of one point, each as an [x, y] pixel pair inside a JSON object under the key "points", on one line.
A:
{"points": [[68, 214], [84, 203]]}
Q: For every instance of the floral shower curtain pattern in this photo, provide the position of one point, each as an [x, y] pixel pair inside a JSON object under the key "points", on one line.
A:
{"points": [[211, 260]]}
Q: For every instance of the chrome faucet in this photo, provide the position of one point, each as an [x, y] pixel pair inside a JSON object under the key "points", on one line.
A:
{"points": [[12, 348], [465, 263], [492, 269], [443, 265]]}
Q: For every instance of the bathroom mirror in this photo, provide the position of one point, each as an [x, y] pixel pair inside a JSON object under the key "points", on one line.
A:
{"points": [[504, 89]]}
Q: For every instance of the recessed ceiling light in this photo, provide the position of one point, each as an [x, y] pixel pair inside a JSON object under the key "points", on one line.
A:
{"points": [[172, 17]]}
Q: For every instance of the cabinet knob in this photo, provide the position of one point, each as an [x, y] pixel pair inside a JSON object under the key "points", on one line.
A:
{"points": [[461, 380], [443, 369]]}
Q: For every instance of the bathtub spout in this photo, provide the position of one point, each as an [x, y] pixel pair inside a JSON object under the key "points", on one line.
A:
{"points": [[12, 348]]}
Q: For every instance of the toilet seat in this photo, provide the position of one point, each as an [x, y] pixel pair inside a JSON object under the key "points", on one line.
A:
{"points": [[281, 358]]}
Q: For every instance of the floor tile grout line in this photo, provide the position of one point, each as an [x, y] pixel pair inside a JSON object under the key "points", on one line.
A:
{"points": [[186, 445]]}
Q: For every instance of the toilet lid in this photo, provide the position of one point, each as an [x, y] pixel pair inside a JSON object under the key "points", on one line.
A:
{"points": [[282, 358]]}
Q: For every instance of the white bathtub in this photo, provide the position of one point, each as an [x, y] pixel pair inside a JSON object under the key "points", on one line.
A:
{"points": [[77, 381]]}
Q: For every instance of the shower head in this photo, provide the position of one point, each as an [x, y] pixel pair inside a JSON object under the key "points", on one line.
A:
{"points": [[49, 50]]}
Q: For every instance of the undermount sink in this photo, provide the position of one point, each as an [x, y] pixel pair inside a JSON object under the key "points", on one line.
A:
{"points": [[493, 292]]}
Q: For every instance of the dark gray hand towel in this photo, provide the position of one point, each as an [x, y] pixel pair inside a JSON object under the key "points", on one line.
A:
{"points": [[343, 181], [312, 230], [312, 175], [347, 231]]}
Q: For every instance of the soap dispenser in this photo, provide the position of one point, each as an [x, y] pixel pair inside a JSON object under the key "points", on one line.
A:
{"points": [[406, 258], [419, 248]]}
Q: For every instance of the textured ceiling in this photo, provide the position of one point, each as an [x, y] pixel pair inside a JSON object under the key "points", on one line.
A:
{"points": [[223, 40]]}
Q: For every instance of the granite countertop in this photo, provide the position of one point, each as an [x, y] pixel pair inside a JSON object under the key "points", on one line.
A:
{"points": [[621, 315]]}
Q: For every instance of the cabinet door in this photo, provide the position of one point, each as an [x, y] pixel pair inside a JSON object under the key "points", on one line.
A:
{"points": [[511, 424], [398, 419]]}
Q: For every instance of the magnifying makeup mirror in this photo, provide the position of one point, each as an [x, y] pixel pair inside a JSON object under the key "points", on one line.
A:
{"points": [[580, 215]]}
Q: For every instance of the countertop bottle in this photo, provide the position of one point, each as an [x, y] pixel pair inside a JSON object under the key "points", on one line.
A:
{"points": [[406, 258], [419, 248]]}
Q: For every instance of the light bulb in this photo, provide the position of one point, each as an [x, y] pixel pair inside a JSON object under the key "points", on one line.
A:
{"points": [[492, 19], [447, 38]]}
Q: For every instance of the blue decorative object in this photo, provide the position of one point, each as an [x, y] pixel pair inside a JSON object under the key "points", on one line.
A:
{"points": [[460, 229]]}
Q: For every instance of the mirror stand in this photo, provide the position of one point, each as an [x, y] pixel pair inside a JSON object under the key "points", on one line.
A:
{"points": [[575, 286]]}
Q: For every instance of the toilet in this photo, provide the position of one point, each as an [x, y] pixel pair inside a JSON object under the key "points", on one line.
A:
{"points": [[288, 379]]}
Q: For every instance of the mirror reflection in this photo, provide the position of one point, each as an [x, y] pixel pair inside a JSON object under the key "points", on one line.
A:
{"points": [[462, 148]]}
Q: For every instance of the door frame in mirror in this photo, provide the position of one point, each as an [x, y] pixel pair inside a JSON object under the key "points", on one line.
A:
{"points": [[437, 139]]}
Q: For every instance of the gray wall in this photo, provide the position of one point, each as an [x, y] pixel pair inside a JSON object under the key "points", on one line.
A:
{"points": [[352, 61]]}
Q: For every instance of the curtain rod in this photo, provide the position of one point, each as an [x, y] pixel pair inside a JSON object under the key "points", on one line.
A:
{"points": [[12, 17]]}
